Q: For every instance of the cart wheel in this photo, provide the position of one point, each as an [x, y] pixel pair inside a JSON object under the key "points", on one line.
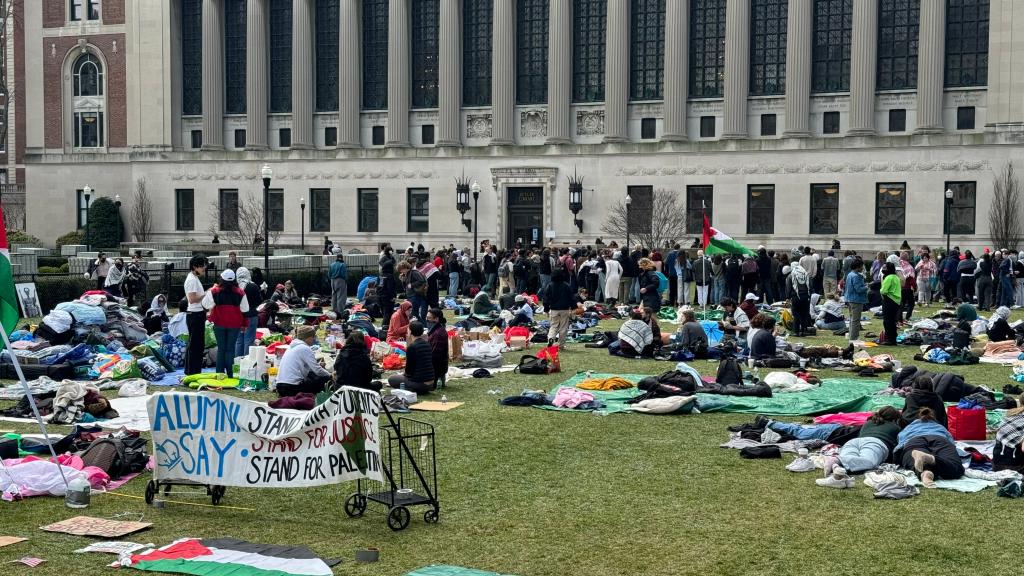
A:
{"points": [[216, 493], [355, 505], [431, 516], [398, 518], [151, 491]]}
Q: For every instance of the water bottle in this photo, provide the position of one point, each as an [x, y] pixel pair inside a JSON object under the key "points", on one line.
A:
{"points": [[444, 399]]}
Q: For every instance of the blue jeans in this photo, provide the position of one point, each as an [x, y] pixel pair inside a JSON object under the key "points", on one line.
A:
{"points": [[545, 279], [419, 307], [246, 338], [492, 283], [822, 325], [1006, 294], [226, 339], [634, 291], [863, 454], [717, 291], [816, 432], [453, 284]]}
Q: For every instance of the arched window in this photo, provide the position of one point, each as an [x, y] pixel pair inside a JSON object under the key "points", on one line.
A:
{"points": [[88, 104]]}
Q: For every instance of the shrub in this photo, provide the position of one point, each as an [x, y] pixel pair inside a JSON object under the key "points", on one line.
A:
{"points": [[75, 237], [105, 226], [49, 270], [65, 268], [52, 261], [19, 237], [57, 289]]}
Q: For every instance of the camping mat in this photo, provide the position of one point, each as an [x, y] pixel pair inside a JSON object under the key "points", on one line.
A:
{"points": [[614, 400], [834, 395], [451, 571]]}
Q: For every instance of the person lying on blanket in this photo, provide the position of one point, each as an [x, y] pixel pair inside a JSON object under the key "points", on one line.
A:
{"points": [[872, 446]]}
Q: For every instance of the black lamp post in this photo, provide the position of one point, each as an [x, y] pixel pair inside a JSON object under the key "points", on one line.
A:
{"points": [[949, 204], [120, 226], [87, 192], [462, 200], [267, 175], [476, 216], [576, 200], [629, 201], [302, 224]]}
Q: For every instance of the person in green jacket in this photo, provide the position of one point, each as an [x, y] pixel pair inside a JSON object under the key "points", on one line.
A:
{"points": [[338, 274], [891, 297]]}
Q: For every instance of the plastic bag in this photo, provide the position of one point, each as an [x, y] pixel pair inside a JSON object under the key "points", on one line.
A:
{"points": [[125, 368], [551, 355], [133, 387]]}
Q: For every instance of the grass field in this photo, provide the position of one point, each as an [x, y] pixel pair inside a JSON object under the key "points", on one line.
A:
{"points": [[534, 492]]}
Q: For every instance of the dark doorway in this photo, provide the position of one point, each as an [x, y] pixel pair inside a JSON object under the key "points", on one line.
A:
{"points": [[525, 216]]}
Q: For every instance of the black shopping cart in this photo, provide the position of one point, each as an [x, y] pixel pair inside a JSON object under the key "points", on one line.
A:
{"points": [[410, 474]]}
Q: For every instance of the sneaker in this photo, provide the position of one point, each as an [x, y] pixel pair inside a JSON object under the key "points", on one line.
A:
{"points": [[801, 464], [835, 482]]}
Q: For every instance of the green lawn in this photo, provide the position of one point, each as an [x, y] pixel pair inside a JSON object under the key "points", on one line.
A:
{"points": [[535, 492]]}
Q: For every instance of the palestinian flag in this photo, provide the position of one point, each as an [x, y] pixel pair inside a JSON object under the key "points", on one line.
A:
{"points": [[230, 557], [716, 242], [8, 297]]}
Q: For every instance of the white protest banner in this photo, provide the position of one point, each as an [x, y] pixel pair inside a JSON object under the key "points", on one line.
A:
{"points": [[225, 441]]}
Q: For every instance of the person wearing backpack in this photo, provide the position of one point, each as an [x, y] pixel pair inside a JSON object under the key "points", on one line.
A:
{"points": [[800, 298]]}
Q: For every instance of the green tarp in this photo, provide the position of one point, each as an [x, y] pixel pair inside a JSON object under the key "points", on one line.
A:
{"points": [[451, 571], [614, 401]]}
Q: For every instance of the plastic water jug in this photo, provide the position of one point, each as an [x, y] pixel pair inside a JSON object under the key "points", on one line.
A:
{"points": [[78, 493]]}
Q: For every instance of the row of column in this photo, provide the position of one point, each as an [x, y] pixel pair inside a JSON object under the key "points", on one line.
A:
{"points": [[864, 61]]}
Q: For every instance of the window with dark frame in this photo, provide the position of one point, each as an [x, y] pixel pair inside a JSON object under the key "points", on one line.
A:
{"points": [[275, 210], [832, 34], [418, 209], [830, 123], [768, 125], [760, 209], [699, 201], [588, 38], [707, 126], [477, 32], [83, 10], [963, 211], [707, 48], [197, 139], [375, 54], [427, 134], [377, 135], [641, 208], [319, 209], [368, 210], [768, 47], [280, 56], [240, 138], [327, 22], [824, 209], [897, 43], [531, 51], [184, 209], [965, 118], [647, 50], [898, 120], [284, 137], [228, 199], [423, 25], [890, 208], [191, 57], [648, 128], [967, 24], [234, 56], [330, 136]]}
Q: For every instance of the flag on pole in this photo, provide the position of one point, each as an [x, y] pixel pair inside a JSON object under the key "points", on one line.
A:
{"points": [[717, 242], [8, 297]]}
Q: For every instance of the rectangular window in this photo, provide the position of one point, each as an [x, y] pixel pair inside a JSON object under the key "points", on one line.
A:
{"points": [[234, 56], [191, 57], [898, 120], [830, 54], [427, 133], [648, 128], [94, 9], [184, 209], [707, 126], [965, 118], [477, 31], [331, 136], [240, 138], [891, 208], [281, 56], [531, 52], [760, 209], [647, 50], [327, 22], [768, 124], [768, 47], [275, 210], [83, 209], [699, 201], [320, 209], [419, 209], [707, 48], [967, 24], [824, 209], [963, 210], [424, 27], [368, 212], [588, 36], [87, 9], [88, 129], [375, 54], [377, 135], [228, 204], [197, 139], [284, 138], [830, 123], [641, 208], [897, 43]]}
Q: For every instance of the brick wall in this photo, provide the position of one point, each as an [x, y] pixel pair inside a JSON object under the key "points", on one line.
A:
{"points": [[54, 13], [113, 11], [53, 88]]}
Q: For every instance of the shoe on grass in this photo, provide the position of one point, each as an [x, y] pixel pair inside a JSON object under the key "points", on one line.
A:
{"points": [[801, 464], [834, 481]]}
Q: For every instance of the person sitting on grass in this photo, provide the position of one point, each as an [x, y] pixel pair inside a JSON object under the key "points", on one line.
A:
{"points": [[635, 337], [437, 337], [299, 370], [762, 337], [523, 312], [736, 322], [482, 305], [1008, 453], [999, 328], [872, 446], [353, 366], [922, 396], [691, 335], [658, 339], [418, 376], [398, 326], [926, 447], [830, 314], [507, 300]]}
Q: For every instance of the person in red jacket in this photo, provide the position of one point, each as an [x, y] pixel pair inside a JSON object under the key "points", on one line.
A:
{"points": [[227, 305]]}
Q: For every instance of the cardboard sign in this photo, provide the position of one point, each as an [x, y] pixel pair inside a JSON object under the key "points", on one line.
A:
{"points": [[100, 527], [226, 441], [8, 540]]}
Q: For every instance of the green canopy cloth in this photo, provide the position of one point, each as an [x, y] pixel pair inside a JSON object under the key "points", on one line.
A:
{"points": [[441, 570], [614, 400]]}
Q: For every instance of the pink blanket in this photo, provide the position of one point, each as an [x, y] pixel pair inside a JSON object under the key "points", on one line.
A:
{"points": [[846, 419]]}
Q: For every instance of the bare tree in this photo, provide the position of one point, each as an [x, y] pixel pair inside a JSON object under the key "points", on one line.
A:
{"points": [[245, 222], [141, 217], [7, 26], [653, 222], [14, 216], [1004, 214]]}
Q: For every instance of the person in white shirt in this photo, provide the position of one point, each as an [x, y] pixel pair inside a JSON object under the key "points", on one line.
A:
{"points": [[830, 314], [810, 262], [523, 312], [195, 320], [736, 321], [299, 371]]}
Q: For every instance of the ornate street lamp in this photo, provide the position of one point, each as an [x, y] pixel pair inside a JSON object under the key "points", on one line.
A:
{"points": [[120, 230], [576, 199], [302, 223], [87, 192], [462, 200], [267, 174], [949, 204], [629, 201], [476, 215]]}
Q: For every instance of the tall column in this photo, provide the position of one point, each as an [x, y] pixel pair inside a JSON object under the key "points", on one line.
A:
{"points": [[863, 68], [503, 74], [213, 75], [256, 75], [799, 24], [560, 72], [677, 67], [349, 74], [931, 54], [303, 87], [398, 74], [450, 75], [737, 69], [616, 76]]}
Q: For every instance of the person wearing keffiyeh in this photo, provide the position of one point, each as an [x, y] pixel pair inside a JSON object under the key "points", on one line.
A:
{"points": [[1008, 453]]}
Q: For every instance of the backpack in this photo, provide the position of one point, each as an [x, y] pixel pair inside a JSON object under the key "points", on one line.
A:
{"points": [[503, 271], [532, 365], [729, 372], [520, 267], [117, 456]]}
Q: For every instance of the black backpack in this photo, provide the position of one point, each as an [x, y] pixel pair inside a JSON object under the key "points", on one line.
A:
{"points": [[729, 371], [117, 456], [532, 365]]}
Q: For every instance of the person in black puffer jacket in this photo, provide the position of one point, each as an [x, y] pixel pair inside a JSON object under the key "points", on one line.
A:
{"points": [[923, 396], [419, 363], [353, 366], [649, 284]]}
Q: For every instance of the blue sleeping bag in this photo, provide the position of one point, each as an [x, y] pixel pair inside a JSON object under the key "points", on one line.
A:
{"points": [[84, 314]]}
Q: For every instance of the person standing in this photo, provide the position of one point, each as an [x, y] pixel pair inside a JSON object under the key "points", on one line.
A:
{"points": [[764, 275], [613, 275], [115, 278], [925, 272], [649, 283], [800, 296], [908, 281], [892, 295], [684, 278], [437, 337], [454, 266], [983, 282], [338, 273], [966, 268], [855, 292], [702, 278], [673, 273], [99, 269], [227, 305], [386, 287], [491, 270], [558, 300], [253, 297], [415, 289], [1006, 291], [195, 318], [809, 262], [733, 277], [628, 274], [830, 273], [545, 268]]}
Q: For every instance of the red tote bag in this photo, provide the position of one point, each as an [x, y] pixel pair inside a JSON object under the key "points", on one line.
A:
{"points": [[966, 424]]}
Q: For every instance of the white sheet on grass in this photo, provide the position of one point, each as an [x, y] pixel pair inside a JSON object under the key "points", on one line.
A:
{"points": [[132, 414]]}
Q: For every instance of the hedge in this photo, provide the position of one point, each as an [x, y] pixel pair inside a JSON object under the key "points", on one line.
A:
{"points": [[57, 289], [51, 261], [75, 237]]}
